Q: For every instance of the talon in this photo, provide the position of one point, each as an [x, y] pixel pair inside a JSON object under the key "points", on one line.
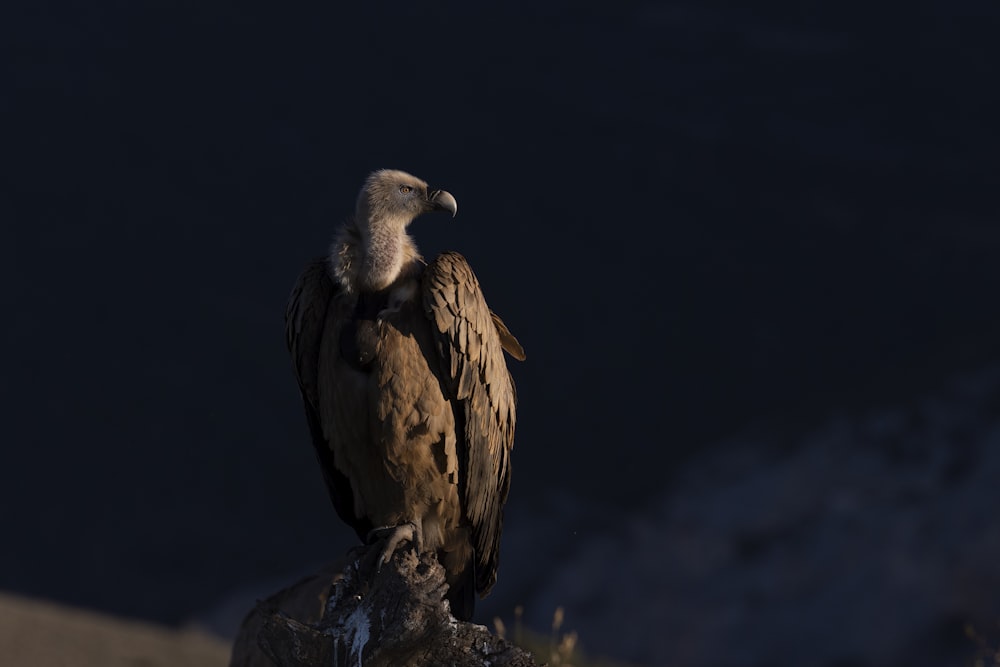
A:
{"points": [[376, 534], [394, 536]]}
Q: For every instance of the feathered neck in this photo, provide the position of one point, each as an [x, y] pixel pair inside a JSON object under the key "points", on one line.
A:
{"points": [[372, 257]]}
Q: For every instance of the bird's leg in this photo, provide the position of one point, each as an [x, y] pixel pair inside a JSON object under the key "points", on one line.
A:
{"points": [[410, 531]]}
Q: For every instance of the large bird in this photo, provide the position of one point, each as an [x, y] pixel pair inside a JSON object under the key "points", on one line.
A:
{"points": [[406, 389]]}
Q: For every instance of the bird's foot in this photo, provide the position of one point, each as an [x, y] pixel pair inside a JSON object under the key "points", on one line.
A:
{"points": [[394, 536]]}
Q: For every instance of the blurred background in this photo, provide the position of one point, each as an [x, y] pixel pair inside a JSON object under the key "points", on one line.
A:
{"points": [[751, 251]]}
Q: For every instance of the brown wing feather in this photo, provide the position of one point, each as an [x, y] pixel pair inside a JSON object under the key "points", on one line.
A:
{"points": [[470, 343], [304, 318], [510, 344], [307, 332]]}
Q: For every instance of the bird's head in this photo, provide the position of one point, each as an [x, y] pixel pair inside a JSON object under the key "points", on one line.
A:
{"points": [[392, 196]]}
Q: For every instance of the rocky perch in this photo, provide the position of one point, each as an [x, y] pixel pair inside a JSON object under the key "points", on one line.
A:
{"points": [[359, 615]]}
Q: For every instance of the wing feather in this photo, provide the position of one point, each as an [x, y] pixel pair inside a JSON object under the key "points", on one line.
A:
{"points": [[306, 332], [471, 348], [304, 318]]}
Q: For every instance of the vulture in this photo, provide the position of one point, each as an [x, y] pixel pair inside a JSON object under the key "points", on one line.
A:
{"points": [[407, 394]]}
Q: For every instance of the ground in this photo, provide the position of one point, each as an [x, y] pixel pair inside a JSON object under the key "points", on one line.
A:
{"points": [[43, 634]]}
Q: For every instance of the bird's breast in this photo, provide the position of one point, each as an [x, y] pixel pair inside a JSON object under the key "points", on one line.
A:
{"points": [[359, 337]]}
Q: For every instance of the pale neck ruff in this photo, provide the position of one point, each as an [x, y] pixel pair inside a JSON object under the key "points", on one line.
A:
{"points": [[383, 255], [373, 257], [387, 250]]}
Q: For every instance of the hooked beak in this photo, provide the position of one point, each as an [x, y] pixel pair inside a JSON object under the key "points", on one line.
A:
{"points": [[441, 200]]}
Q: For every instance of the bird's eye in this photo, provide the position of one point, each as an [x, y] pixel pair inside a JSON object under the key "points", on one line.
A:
{"points": [[405, 189]]}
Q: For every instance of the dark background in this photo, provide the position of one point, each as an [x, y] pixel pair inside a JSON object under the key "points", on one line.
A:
{"points": [[698, 217]]}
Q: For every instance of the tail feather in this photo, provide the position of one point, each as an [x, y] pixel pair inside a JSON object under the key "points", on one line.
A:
{"points": [[461, 595]]}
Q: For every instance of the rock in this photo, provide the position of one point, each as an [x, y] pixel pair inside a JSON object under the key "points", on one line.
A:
{"points": [[395, 615]]}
